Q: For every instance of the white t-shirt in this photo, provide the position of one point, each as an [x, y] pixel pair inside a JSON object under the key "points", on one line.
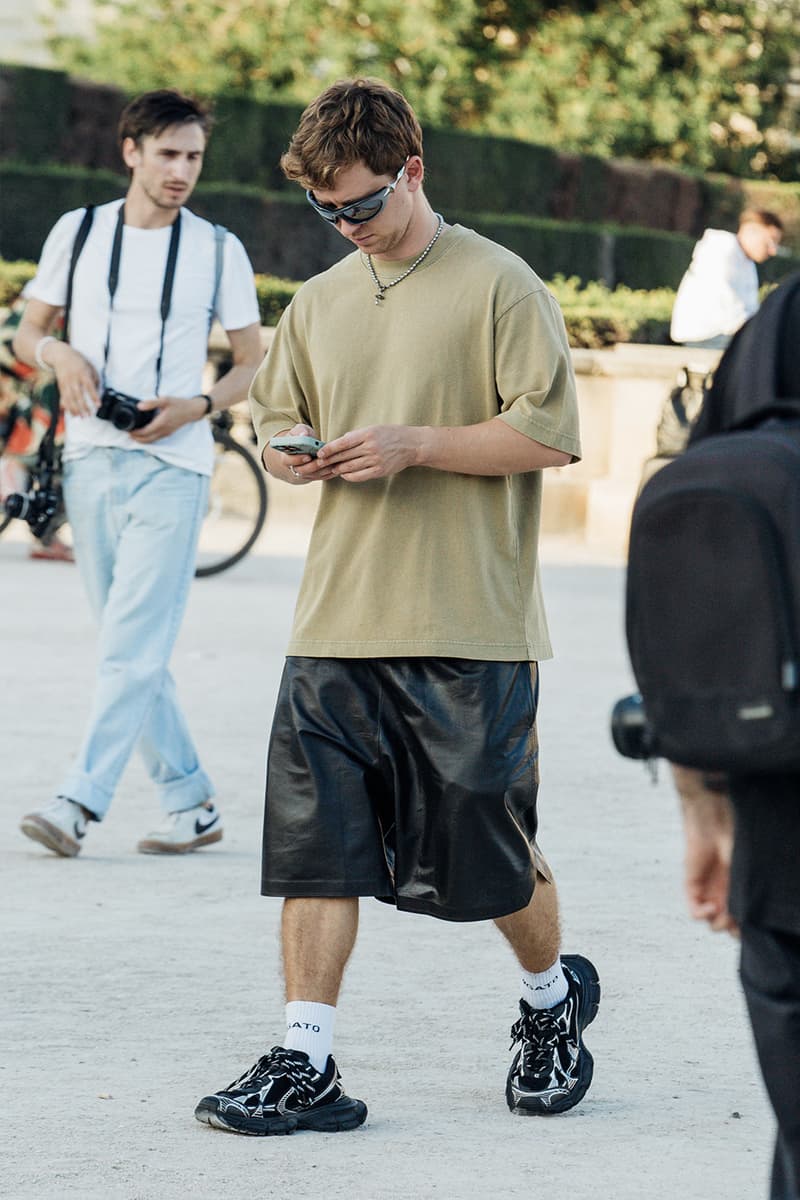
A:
{"points": [[718, 292], [135, 325]]}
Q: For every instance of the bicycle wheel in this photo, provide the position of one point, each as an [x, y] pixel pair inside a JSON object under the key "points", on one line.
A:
{"points": [[237, 507]]}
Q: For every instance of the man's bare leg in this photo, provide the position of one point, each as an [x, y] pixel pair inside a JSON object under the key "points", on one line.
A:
{"points": [[317, 936], [534, 932]]}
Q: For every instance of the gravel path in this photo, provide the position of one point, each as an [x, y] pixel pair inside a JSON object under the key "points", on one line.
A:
{"points": [[135, 984]]}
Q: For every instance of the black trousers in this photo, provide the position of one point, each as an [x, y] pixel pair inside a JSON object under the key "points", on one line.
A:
{"points": [[770, 973]]}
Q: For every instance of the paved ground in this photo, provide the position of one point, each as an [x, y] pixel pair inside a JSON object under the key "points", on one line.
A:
{"points": [[133, 984]]}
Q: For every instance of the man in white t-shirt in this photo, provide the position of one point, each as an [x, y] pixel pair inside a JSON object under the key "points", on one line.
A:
{"points": [[138, 453], [719, 290]]}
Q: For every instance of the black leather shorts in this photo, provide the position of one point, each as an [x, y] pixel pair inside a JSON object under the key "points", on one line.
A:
{"points": [[410, 779]]}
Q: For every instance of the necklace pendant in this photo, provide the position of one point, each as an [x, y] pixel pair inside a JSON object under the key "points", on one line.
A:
{"points": [[378, 297]]}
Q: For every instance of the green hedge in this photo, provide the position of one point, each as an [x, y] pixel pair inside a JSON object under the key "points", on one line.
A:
{"points": [[594, 316], [284, 239], [35, 113], [551, 247], [33, 198], [274, 295], [248, 141], [480, 173], [491, 175], [48, 116], [644, 258]]}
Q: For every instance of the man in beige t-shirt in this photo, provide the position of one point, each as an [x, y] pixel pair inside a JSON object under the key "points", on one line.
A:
{"points": [[403, 761]]}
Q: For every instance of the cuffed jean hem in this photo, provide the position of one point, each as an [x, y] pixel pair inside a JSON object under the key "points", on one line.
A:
{"points": [[189, 791], [80, 788]]}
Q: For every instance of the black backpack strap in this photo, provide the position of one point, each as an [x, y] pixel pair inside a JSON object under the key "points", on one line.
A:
{"points": [[77, 246], [220, 233], [47, 446]]}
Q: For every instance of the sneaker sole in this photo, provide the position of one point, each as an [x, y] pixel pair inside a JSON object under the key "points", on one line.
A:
{"points": [[50, 836], [587, 1011], [151, 846], [330, 1118]]}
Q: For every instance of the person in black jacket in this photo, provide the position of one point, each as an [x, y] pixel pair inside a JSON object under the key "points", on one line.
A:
{"points": [[743, 832]]}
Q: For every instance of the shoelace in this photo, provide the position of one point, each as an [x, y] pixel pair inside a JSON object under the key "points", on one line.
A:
{"points": [[538, 1032], [280, 1061]]}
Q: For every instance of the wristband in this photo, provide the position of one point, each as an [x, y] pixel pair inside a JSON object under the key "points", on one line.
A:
{"points": [[209, 402], [37, 354]]}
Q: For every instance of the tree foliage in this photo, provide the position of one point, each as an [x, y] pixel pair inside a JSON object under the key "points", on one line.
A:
{"points": [[703, 85]]}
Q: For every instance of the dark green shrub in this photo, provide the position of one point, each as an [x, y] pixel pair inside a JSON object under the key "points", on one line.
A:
{"points": [[248, 141], [550, 247], [489, 175], [646, 258], [33, 198], [274, 295], [592, 189], [13, 277], [595, 316], [34, 112]]}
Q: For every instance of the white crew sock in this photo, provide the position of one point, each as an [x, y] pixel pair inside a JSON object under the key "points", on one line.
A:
{"points": [[309, 1027], [545, 989]]}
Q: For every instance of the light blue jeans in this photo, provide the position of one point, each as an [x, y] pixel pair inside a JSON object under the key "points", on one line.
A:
{"points": [[135, 524]]}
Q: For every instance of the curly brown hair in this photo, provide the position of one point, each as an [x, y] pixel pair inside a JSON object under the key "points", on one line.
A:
{"points": [[354, 120]]}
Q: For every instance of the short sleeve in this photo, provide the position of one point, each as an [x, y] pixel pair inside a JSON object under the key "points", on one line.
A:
{"points": [[49, 284], [237, 305], [534, 375]]}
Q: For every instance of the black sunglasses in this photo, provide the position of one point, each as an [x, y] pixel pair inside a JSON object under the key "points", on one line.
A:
{"points": [[358, 211]]}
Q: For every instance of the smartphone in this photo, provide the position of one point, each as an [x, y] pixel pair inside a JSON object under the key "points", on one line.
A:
{"points": [[296, 445]]}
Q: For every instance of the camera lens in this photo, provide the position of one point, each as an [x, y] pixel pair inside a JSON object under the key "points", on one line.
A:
{"points": [[17, 505], [631, 734], [123, 418]]}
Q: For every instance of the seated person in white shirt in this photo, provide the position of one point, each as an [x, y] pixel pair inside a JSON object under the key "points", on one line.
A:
{"points": [[719, 291]]}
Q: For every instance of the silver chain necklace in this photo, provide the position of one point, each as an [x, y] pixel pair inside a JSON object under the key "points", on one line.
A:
{"points": [[384, 287]]}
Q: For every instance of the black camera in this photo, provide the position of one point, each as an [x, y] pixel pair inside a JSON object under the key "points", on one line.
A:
{"points": [[39, 506], [123, 411], [631, 732]]}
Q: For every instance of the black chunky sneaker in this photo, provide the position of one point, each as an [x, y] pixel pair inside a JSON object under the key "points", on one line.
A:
{"points": [[552, 1069], [281, 1093]]}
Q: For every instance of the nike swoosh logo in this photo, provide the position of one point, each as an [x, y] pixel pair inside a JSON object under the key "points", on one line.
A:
{"points": [[199, 827]]}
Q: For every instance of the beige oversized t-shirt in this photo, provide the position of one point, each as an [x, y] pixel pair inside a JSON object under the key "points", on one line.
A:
{"points": [[425, 562]]}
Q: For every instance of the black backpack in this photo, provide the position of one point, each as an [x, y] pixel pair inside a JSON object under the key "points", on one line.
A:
{"points": [[713, 586]]}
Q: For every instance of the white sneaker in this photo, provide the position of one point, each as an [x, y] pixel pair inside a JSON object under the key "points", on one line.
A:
{"points": [[184, 831], [60, 826]]}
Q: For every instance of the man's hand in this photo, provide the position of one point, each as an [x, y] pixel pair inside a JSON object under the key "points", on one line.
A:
{"points": [[35, 344], [296, 468], [371, 453], [173, 411], [76, 378], [708, 826]]}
